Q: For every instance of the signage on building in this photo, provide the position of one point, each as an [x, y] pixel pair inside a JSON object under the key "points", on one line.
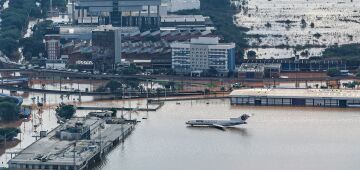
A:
{"points": [[80, 62]]}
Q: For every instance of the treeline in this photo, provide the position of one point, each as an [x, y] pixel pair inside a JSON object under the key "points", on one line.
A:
{"points": [[222, 14], [349, 53], [15, 20], [8, 133], [34, 45], [9, 110]]}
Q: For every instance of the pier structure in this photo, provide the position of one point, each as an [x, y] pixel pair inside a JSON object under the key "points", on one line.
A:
{"points": [[75, 145], [296, 97]]}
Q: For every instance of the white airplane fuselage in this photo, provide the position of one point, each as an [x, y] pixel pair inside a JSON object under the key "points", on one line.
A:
{"points": [[219, 122]]}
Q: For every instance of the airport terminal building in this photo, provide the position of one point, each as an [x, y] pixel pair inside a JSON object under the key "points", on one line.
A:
{"points": [[296, 97]]}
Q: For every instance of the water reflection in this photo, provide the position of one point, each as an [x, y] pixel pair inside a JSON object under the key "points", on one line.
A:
{"points": [[233, 130], [239, 130]]}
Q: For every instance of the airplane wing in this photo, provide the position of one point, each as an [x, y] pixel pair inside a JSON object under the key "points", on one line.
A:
{"points": [[218, 126]]}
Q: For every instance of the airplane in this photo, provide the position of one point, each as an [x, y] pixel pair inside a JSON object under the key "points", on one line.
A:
{"points": [[219, 123]]}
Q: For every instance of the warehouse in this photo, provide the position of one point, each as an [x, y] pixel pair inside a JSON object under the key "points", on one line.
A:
{"points": [[296, 97]]}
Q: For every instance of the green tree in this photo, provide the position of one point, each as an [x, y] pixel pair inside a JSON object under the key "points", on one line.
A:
{"points": [[9, 111], [206, 91], [251, 55], [332, 72], [132, 83], [8, 133], [114, 112], [113, 85], [65, 111], [212, 71]]}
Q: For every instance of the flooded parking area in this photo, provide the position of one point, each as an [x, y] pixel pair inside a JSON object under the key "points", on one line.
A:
{"points": [[280, 25]]}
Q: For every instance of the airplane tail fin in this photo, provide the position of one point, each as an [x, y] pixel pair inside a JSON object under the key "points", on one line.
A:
{"points": [[244, 117]]}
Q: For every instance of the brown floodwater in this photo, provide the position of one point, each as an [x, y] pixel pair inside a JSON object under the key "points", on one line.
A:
{"points": [[274, 138]]}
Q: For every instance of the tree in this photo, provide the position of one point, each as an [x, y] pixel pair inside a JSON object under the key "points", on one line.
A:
{"points": [[65, 111], [268, 25], [251, 55], [332, 72], [9, 111], [113, 85], [32, 47], [212, 71], [8, 133], [349, 53], [303, 23], [312, 25], [132, 83], [206, 91], [114, 112], [132, 69], [317, 35]]}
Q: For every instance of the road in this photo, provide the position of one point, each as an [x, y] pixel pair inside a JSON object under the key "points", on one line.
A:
{"points": [[71, 74]]}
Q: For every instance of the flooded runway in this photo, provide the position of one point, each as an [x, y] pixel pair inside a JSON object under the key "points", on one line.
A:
{"points": [[275, 138]]}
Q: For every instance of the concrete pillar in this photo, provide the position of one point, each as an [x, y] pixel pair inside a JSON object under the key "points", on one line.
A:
{"points": [[130, 19], [82, 15], [121, 20], [157, 15], [148, 16], [139, 19]]}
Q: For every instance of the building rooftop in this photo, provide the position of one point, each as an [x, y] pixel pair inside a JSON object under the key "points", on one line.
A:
{"points": [[257, 67], [66, 29], [183, 18], [297, 93], [207, 40], [50, 150]]}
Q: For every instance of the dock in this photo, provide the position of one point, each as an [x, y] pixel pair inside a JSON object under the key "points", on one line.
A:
{"points": [[151, 107], [75, 145]]}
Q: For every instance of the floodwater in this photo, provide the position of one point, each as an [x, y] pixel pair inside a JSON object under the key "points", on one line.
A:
{"points": [[274, 138], [337, 22]]}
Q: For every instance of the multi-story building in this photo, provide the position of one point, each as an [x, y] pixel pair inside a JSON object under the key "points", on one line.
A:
{"points": [[117, 12], [53, 46], [202, 54], [106, 47], [259, 70]]}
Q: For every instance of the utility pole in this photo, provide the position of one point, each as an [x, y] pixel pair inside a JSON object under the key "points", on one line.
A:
{"points": [[74, 155], [73, 11], [51, 8], [130, 104], [147, 99]]}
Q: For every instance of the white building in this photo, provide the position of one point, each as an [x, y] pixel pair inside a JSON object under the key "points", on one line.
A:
{"points": [[53, 49], [55, 64], [201, 54]]}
